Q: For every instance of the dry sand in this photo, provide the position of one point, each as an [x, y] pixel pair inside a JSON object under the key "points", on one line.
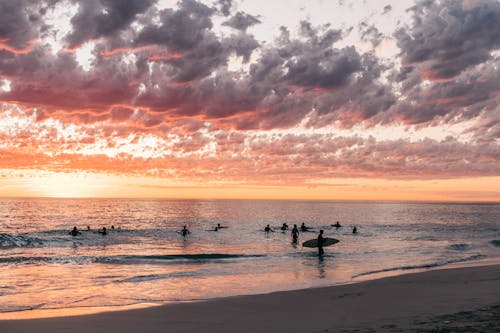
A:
{"points": [[448, 300]]}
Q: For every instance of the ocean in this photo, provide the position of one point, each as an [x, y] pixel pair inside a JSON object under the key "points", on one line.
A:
{"points": [[144, 260]]}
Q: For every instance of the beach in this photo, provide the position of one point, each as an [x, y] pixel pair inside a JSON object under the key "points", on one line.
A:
{"points": [[463, 299]]}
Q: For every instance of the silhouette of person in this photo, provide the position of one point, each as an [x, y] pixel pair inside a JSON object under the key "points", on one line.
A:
{"points": [[354, 230], [268, 228], [295, 233], [303, 227], [88, 228], [320, 243], [337, 225], [185, 231], [74, 232], [284, 226], [103, 231]]}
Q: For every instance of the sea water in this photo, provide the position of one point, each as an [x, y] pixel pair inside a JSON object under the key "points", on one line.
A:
{"points": [[145, 260]]}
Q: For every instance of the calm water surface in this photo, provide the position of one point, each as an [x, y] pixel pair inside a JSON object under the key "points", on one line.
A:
{"points": [[145, 259]]}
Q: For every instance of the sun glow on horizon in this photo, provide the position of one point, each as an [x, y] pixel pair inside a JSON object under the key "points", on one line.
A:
{"points": [[34, 183]]}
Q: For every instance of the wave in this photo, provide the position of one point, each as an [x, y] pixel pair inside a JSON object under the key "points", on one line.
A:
{"points": [[152, 277], [459, 247], [133, 259], [495, 242], [169, 258], [8, 241], [430, 265]]}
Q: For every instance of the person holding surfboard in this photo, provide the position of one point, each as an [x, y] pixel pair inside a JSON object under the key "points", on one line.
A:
{"points": [[185, 231], [320, 243], [268, 228]]}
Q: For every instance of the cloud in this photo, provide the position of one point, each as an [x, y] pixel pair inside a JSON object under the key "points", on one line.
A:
{"points": [[20, 22], [161, 95], [242, 21], [449, 37], [103, 18]]}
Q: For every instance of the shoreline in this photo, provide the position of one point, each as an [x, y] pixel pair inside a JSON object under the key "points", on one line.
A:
{"points": [[395, 301], [44, 313]]}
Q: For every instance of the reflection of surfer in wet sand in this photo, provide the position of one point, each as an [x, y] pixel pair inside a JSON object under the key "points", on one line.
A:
{"points": [[185, 231], [295, 233]]}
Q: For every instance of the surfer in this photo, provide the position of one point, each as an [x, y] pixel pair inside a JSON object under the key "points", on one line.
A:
{"points": [[103, 231], [268, 228], [337, 225], [284, 226], [303, 227], [185, 231], [74, 232], [320, 243], [295, 233], [354, 230]]}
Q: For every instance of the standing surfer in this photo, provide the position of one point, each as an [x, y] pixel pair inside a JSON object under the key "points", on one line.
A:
{"points": [[295, 233], [320, 243], [185, 231]]}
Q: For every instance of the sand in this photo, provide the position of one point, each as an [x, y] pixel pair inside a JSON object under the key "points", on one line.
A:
{"points": [[447, 300]]}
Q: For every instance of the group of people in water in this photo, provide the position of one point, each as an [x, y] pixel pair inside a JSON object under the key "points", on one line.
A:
{"points": [[103, 231], [294, 233], [304, 228]]}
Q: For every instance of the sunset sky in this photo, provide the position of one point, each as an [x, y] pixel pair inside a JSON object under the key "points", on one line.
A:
{"points": [[281, 99]]}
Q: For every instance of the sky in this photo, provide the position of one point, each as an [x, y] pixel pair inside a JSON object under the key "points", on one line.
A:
{"points": [[250, 99]]}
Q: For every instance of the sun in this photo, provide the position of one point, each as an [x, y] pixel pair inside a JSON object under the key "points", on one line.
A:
{"points": [[66, 185]]}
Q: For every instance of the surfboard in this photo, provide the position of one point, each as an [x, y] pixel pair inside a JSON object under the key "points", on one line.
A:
{"points": [[314, 242]]}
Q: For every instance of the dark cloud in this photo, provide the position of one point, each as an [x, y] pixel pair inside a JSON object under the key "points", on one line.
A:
{"points": [[103, 18], [449, 36], [242, 21], [180, 29], [370, 33], [21, 21], [225, 6]]}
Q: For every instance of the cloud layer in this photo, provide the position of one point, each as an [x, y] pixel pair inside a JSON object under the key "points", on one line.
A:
{"points": [[189, 92]]}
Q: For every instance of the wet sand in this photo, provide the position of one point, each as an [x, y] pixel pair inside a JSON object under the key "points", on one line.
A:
{"points": [[447, 300]]}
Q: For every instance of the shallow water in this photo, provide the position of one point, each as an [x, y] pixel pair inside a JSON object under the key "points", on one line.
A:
{"points": [[145, 259]]}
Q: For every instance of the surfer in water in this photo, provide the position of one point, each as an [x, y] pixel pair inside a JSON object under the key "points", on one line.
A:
{"points": [[74, 232], [268, 228], [354, 230], [320, 243], [303, 227], [103, 231], [295, 233], [185, 231], [284, 226], [337, 225]]}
